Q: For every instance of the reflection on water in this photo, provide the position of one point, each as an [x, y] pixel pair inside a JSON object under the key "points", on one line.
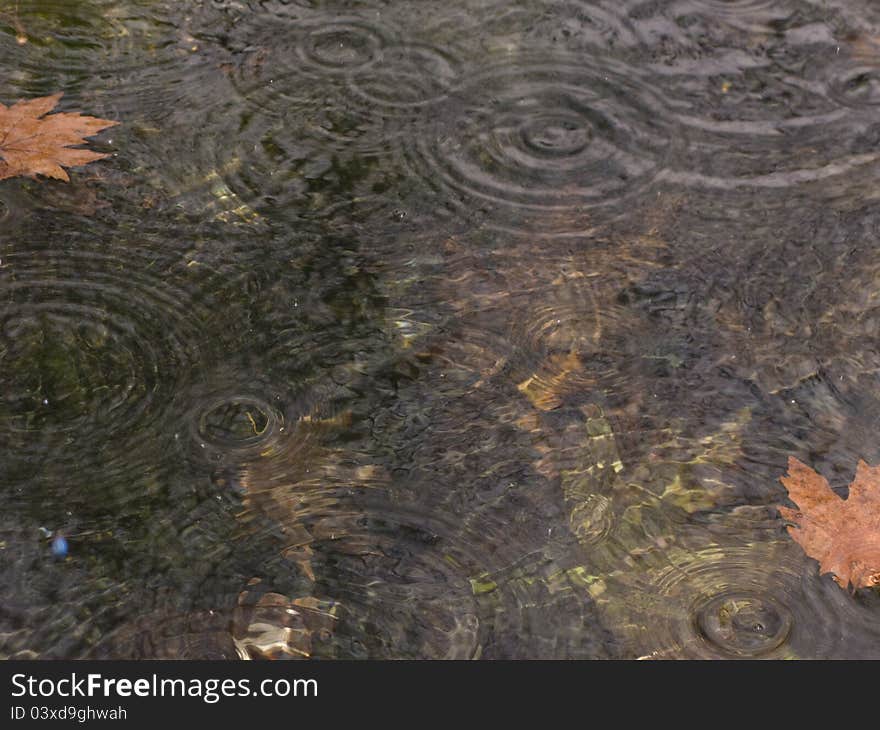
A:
{"points": [[438, 330]]}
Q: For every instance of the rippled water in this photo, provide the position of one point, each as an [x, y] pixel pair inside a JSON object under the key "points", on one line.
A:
{"points": [[438, 330]]}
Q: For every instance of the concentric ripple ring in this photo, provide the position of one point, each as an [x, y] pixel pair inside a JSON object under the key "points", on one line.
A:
{"points": [[548, 139]]}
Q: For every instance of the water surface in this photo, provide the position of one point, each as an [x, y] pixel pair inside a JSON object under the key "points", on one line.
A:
{"points": [[438, 329]]}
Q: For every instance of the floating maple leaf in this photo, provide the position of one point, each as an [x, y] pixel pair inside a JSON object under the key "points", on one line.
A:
{"points": [[31, 145], [843, 535]]}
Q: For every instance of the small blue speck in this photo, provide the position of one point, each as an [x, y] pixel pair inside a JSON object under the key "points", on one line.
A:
{"points": [[59, 546]]}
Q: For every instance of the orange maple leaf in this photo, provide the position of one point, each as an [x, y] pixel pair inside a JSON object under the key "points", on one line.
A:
{"points": [[843, 535], [31, 145]]}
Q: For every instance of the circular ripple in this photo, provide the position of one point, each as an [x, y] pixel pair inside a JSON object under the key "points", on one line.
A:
{"points": [[568, 316], [155, 69], [416, 587], [93, 348], [399, 596], [237, 424], [764, 600], [743, 624], [44, 43], [546, 142], [735, 7], [572, 310], [143, 58], [231, 427], [342, 46], [303, 149], [407, 77], [555, 135], [390, 585], [411, 571], [69, 364], [507, 312], [738, 13], [708, 583], [738, 143]]}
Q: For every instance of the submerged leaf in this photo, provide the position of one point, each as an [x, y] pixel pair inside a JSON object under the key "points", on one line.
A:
{"points": [[843, 535], [32, 144]]}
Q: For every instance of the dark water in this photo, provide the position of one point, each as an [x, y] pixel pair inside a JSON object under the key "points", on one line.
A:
{"points": [[438, 329]]}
